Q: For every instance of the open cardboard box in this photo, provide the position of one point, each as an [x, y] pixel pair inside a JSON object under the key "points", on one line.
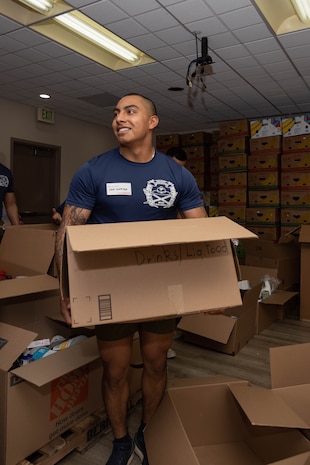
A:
{"points": [[273, 307], [227, 332], [203, 423], [236, 326], [282, 257], [41, 400], [27, 253], [152, 269], [304, 240], [53, 393]]}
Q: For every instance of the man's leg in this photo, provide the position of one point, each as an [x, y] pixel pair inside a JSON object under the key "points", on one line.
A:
{"points": [[116, 357], [154, 349]]}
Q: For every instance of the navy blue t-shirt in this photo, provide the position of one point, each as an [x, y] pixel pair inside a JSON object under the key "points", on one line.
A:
{"points": [[118, 190], [6, 184]]}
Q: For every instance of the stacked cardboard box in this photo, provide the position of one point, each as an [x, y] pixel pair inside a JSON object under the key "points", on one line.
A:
{"points": [[197, 148], [233, 153], [263, 212], [295, 182], [165, 141]]}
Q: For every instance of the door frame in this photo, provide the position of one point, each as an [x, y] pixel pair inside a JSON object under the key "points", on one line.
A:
{"points": [[42, 146]]}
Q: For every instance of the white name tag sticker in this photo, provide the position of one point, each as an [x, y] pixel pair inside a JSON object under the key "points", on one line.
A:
{"points": [[118, 188]]}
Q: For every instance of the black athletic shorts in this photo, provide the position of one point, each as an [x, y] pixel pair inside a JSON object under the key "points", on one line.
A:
{"points": [[116, 331]]}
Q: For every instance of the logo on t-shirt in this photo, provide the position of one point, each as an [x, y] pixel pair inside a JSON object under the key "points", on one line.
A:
{"points": [[160, 193], [4, 180]]}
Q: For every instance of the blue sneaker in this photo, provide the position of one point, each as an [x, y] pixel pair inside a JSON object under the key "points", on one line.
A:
{"points": [[140, 448], [122, 454]]}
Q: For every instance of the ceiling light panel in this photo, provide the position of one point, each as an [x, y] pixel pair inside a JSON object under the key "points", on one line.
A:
{"points": [[83, 35]]}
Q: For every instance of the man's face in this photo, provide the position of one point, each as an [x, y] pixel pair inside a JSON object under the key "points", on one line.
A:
{"points": [[133, 119]]}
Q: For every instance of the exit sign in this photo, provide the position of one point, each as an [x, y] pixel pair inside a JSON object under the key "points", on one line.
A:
{"points": [[46, 115]]}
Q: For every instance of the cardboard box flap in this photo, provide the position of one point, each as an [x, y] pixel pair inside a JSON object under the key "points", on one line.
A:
{"points": [[268, 249], [215, 327], [45, 370], [24, 246], [289, 365], [279, 298], [300, 459], [94, 237], [264, 407], [13, 342], [28, 285], [304, 235], [255, 274]]}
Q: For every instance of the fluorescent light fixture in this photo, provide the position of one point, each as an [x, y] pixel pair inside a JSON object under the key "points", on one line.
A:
{"points": [[103, 38], [42, 6], [302, 8], [285, 16]]}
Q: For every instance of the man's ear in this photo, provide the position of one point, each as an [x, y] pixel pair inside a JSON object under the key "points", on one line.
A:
{"points": [[154, 120]]}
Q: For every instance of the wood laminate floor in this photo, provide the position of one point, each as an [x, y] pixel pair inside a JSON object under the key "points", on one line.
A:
{"points": [[251, 363]]}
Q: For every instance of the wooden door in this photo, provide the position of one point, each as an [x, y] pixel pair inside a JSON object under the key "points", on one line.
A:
{"points": [[36, 172]]}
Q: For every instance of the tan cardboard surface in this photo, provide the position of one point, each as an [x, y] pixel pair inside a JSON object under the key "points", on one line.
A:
{"points": [[300, 459], [216, 327], [304, 235], [304, 240], [203, 424], [28, 248], [145, 233], [29, 253], [289, 365], [264, 407], [13, 342], [228, 332], [54, 366], [28, 285], [180, 267]]}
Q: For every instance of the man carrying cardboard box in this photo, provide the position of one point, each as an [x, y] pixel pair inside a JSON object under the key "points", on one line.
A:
{"points": [[131, 183]]}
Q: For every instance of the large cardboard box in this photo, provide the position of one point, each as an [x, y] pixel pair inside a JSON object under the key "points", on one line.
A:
{"points": [[26, 255], [199, 424], [150, 270], [227, 332], [283, 257], [45, 398], [235, 327], [41, 400], [272, 308], [304, 239]]}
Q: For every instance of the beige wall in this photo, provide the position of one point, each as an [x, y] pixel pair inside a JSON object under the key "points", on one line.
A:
{"points": [[79, 140]]}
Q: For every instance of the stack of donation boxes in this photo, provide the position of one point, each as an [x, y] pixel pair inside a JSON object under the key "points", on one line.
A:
{"points": [[231, 330], [219, 420], [54, 392]]}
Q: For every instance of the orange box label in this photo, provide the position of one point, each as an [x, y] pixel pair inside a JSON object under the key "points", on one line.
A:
{"points": [[69, 391]]}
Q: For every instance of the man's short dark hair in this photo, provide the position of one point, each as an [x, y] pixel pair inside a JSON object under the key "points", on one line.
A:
{"points": [[177, 153], [150, 102]]}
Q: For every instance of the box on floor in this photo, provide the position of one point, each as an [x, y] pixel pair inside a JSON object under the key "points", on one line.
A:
{"points": [[304, 239], [217, 420], [26, 255], [236, 326], [55, 392], [227, 332], [181, 268], [275, 307], [282, 257]]}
